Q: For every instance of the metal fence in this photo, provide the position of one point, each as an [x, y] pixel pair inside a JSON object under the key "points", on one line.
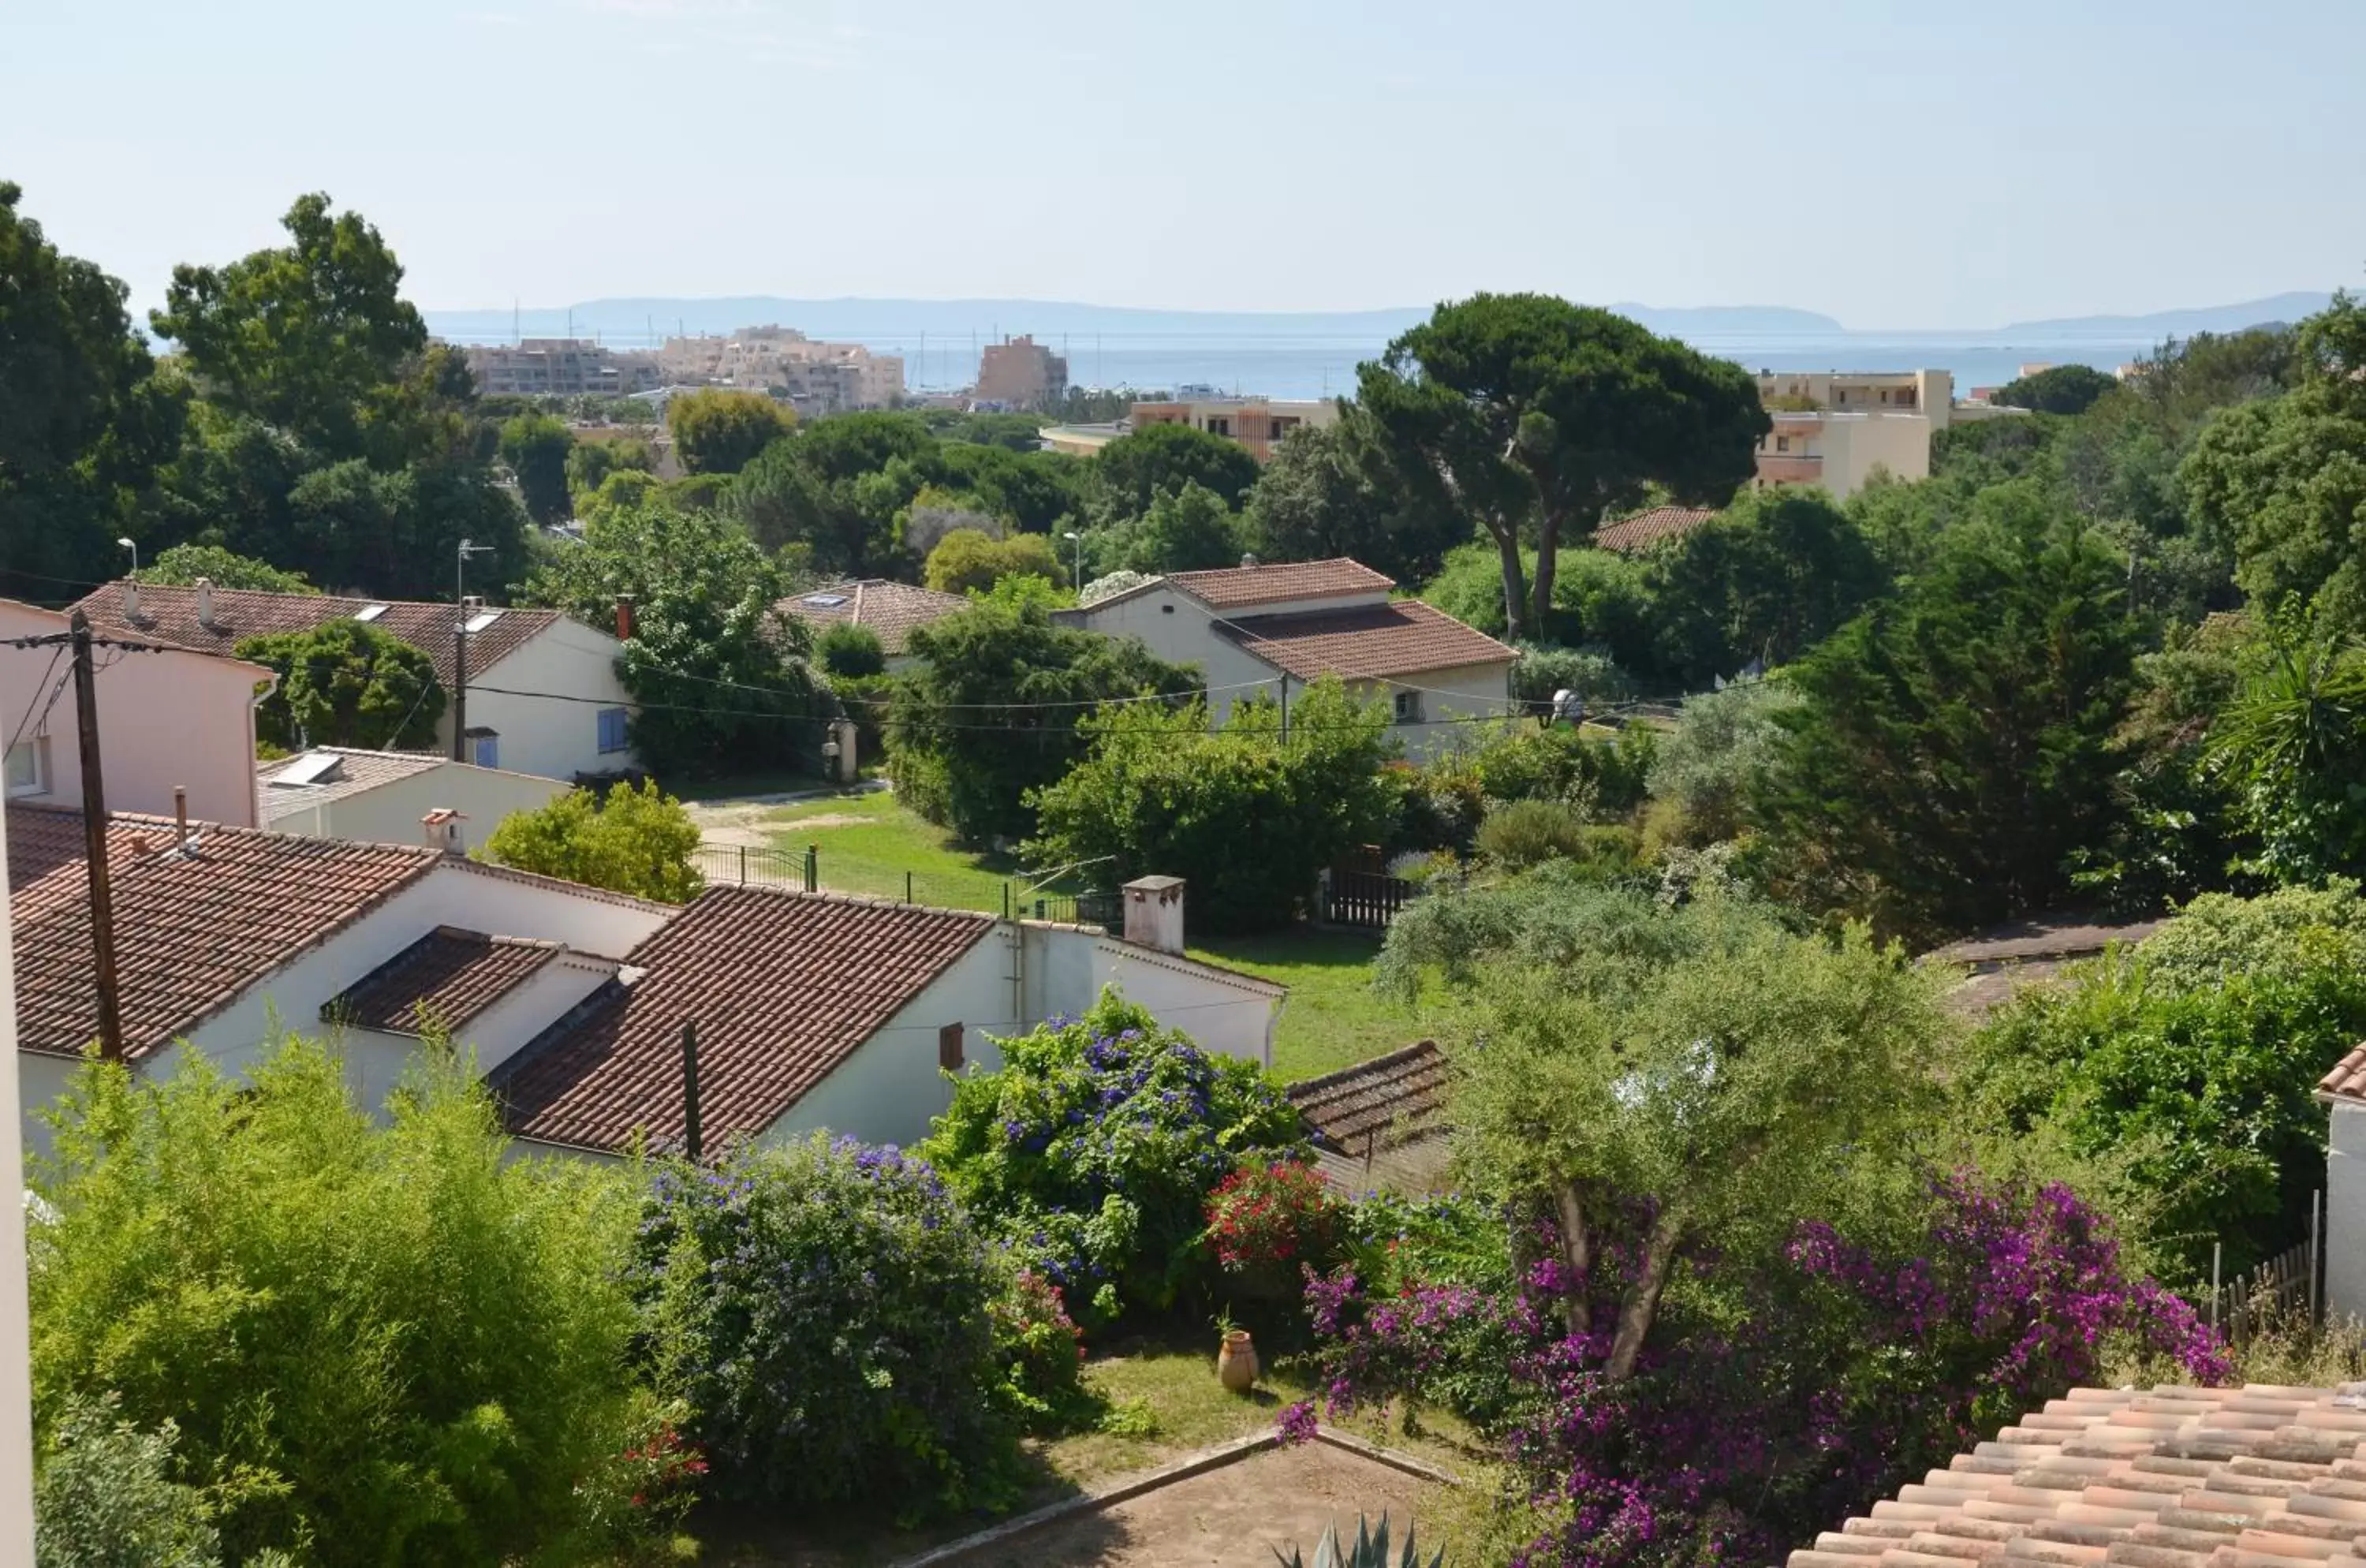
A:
{"points": [[808, 870], [757, 865]]}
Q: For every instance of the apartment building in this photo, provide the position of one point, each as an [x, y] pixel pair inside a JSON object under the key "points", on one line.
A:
{"points": [[1257, 424], [1835, 428], [561, 367], [1019, 373], [816, 378]]}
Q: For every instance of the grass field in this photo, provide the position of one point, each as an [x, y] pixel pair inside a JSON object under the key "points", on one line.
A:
{"points": [[869, 844], [1334, 1018]]}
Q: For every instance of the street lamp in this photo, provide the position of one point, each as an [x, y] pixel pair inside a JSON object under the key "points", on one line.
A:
{"points": [[134, 548], [1079, 540]]}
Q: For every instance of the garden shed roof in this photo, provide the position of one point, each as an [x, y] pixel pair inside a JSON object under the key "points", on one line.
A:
{"points": [[2253, 1477], [1382, 1122], [442, 980], [1402, 636], [1647, 528], [2006, 959]]}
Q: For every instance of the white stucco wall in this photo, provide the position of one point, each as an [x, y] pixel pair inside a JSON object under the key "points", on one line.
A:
{"points": [[1178, 629], [40, 1079], [376, 1061], [1854, 446], [556, 735], [1449, 699], [1223, 1018], [390, 814], [164, 719], [2345, 1212]]}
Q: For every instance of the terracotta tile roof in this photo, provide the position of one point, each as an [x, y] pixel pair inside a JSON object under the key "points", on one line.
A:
{"points": [[171, 614], [443, 979], [1650, 527], [2253, 1477], [1402, 636], [783, 986], [192, 931], [2348, 1078], [891, 609], [354, 772], [1241, 587], [1387, 1100]]}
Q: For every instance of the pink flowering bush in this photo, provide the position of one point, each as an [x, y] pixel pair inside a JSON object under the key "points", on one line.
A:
{"points": [[1779, 1390], [1043, 1355]]}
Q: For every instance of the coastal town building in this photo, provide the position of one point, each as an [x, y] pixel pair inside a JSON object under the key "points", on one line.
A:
{"points": [[815, 378], [1019, 373], [543, 698], [1259, 423], [1838, 428], [1275, 629], [561, 367]]}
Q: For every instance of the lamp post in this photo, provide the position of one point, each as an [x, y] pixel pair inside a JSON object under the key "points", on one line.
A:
{"points": [[1079, 540], [133, 546]]}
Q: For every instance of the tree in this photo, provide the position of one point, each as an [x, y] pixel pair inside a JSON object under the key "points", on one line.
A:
{"points": [[843, 649], [84, 418], [346, 684], [967, 560], [183, 565], [1130, 472], [589, 463], [637, 840], [2293, 748], [1247, 815], [716, 431], [308, 337], [992, 712], [1708, 767], [1956, 743], [718, 673], [2057, 389], [536, 448], [1188, 529], [1537, 417], [835, 486], [1329, 491], [1764, 579]]}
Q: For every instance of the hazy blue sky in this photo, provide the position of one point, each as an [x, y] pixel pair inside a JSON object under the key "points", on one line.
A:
{"points": [[1893, 164]]}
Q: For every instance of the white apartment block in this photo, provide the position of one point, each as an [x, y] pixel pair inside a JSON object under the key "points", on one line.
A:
{"points": [[815, 378], [1837, 428], [559, 368]]}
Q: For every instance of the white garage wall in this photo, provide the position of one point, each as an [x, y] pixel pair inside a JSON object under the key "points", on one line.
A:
{"points": [[2345, 1212], [40, 1079], [390, 814], [550, 735]]}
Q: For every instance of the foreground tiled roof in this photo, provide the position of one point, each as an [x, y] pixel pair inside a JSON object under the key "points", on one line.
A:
{"points": [[442, 980], [1241, 587], [356, 772], [172, 613], [2348, 1078], [1403, 636], [1650, 527], [890, 609], [192, 929], [783, 986], [1388, 1099], [2255, 1477]]}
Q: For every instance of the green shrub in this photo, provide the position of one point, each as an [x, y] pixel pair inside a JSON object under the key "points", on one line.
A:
{"points": [[1091, 1151], [1543, 670], [1599, 776], [1042, 1354], [822, 1308], [1439, 807], [637, 840], [1722, 742], [1522, 833], [345, 683], [843, 649], [403, 1346], [105, 1496]]}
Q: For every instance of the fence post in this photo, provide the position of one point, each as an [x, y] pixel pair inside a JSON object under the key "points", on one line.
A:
{"points": [[1006, 898], [908, 887], [813, 868], [743, 865], [2216, 1248], [2316, 1246]]}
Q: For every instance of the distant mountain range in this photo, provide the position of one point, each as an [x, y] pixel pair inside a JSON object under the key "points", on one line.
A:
{"points": [[2286, 308]]}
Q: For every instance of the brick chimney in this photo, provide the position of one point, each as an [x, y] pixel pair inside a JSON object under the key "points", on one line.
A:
{"points": [[442, 828], [206, 603], [624, 617], [1248, 562], [132, 601], [1153, 913]]}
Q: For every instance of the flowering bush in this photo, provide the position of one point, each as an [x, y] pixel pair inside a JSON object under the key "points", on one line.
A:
{"points": [[1783, 1391], [1092, 1151], [1273, 1217], [1041, 1353], [823, 1309]]}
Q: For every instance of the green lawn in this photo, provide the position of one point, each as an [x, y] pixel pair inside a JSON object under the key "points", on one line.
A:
{"points": [[1333, 1017], [869, 843]]}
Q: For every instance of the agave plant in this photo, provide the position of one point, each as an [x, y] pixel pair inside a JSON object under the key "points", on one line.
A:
{"points": [[1370, 1550]]}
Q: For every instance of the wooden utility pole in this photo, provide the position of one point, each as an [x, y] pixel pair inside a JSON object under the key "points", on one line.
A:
{"points": [[94, 828], [693, 1143]]}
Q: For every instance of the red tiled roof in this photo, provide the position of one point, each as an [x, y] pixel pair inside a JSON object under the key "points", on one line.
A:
{"points": [[172, 613], [1403, 636], [192, 929], [1241, 587], [1387, 1100], [2254, 1477], [891, 609], [1650, 528], [2348, 1078], [442, 980], [783, 986]]}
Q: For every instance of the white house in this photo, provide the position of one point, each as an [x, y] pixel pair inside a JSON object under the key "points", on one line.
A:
{"points": [[818, 1010], [2343, 1093], [336, 792], [1275, 629], [543, 695]]}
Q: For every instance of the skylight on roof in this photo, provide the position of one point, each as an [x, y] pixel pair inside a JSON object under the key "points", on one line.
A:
{"points": [[479, 621], [369, 612], [823, 601], [313, 768]]}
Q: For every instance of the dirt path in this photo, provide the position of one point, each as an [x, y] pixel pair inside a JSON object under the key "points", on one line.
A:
{"points": [[741, 819]]}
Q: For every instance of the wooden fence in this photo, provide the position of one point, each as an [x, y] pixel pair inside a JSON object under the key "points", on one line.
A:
{"points": [[1366, 898], [2286, 1287]]}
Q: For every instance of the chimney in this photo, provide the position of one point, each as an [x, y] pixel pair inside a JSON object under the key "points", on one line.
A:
{"points": [[442, 828], [180, 816], [624, 617], [206, 603], [1247, 561], [131, 601], [1153, 913]]}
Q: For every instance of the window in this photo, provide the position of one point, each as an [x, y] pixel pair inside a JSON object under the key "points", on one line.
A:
{"points": [[481, 621], [1782, 444], [1408, 707], [369, 612], [486, 749], [29, 767], [949, 1047], [612, 730], [1219, 424]]}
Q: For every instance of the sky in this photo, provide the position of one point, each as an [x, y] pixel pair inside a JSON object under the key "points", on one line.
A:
{"points": [[1891, 164]]}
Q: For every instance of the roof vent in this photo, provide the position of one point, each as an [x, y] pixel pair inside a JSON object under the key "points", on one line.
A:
{"points": [[206, 603], [1247, 561]]}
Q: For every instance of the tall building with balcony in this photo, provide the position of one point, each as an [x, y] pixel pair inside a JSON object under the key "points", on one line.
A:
{"points": [[1019, 373], [1835, 428], [817, 377], [1259, 423], [559, 368]]}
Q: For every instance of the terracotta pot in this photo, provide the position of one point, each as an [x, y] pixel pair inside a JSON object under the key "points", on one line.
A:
{"points": [[1236, 1363]]}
